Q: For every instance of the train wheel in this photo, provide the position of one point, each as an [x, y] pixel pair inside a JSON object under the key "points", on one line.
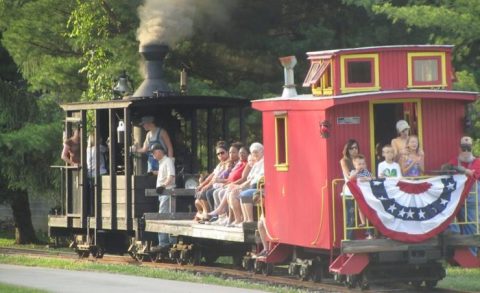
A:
{"points": [[143, 257], [351, 281], [363, 282], [160, 256], [83, 254], [293, 269], [303, 272], [98, 252], [267, 269], [258, 266], [431, 284], [248, 264], [196, 257], [317, 274]]}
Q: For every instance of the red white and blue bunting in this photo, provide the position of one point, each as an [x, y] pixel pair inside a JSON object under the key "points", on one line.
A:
{"points": [[411, 210]]}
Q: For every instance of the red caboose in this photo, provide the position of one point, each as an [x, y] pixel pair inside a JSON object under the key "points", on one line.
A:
{"points": [[356, 93]]}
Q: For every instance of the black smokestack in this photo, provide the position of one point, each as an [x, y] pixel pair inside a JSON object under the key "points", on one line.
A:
{"points": [[154, 84]]}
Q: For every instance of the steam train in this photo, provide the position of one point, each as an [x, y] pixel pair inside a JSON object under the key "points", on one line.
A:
{"points": [[355, 93]]}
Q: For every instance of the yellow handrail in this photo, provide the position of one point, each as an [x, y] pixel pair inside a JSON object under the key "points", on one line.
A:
{"points": [[321, 215]]}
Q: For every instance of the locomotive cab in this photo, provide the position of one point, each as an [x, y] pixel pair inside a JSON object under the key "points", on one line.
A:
{"points": [[112, 205]]}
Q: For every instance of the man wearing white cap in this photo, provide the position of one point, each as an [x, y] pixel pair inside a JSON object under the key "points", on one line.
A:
{"points": [[466, 163], [399, 143]]}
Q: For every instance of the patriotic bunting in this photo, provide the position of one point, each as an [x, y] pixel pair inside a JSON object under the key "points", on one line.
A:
{"points": [[411, 210]]}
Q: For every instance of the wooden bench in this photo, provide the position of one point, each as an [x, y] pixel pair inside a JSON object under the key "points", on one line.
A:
{"points": [[173, 193]]}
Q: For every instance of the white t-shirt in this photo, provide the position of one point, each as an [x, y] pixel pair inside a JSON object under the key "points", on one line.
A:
{"points": [[165, 170], [256, 172], [389, 170], [91, 161]]}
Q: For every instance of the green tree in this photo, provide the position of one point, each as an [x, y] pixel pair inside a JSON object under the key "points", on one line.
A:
{"points": [[34, 33], [28, 146]]}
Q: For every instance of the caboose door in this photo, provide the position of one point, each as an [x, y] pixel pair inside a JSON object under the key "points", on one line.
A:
{"points": [[384, 115]]}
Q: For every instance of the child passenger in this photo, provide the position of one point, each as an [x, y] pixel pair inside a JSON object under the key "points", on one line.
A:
{"points": [[361, 174], [389, 168], [412, 162]]}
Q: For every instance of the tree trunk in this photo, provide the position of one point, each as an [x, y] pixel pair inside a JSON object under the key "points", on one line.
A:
{"points": [[24, 232]]}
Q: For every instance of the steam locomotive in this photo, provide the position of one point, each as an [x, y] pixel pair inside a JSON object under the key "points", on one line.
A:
{"points": [[355, 93]]}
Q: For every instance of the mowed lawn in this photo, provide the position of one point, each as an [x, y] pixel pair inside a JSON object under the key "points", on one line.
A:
{"points": [[18, 289], [457, 278]]}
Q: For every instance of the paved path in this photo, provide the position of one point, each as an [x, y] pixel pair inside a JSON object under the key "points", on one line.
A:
{"points": [[56, 280]]}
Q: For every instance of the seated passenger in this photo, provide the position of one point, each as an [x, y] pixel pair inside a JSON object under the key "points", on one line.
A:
{"points": [[201, 192], [245, 190], [155, 135], [389, 168], [412, 161], [220, 180], [215, 196], [223, 211]]}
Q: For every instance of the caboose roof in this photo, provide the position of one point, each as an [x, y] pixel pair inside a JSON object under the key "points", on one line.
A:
{"points": [[328, 53], [310, 102]]}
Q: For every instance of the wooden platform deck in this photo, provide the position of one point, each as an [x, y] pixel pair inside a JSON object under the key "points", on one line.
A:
{"points": [[245, 234]]}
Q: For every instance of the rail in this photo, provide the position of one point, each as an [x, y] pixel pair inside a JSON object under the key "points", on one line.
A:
{"points": [[461, 219]]}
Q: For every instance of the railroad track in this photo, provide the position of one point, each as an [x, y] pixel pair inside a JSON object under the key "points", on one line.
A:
{"points": [[219, 270]]}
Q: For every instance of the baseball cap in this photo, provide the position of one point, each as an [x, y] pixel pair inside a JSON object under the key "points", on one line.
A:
{"points": [[466, 140], [147, 119], [402, 125], [157, 146]]}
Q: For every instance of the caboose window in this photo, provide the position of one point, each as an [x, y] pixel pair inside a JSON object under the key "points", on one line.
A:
{"points": [[281, 148], [359, 72], [427, 69]]}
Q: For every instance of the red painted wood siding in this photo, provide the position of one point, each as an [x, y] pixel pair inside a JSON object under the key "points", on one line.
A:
{"points": [[295, 211], [442, 129], [341, 133], [339, 136], [393, 70]]}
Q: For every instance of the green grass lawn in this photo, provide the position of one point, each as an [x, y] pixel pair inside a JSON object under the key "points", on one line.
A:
{"points": [[461, 279], [18, 289], [178, 275], [457, 278]]}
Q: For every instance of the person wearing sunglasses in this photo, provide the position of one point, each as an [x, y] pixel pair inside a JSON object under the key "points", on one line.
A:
{"points": [[466, 163], [201, 202]]}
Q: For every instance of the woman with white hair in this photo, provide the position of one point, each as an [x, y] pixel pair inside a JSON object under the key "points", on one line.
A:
{"points": [[245, 191]]}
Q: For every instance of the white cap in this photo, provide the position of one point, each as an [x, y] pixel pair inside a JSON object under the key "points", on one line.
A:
{"points": [[402, 125]]}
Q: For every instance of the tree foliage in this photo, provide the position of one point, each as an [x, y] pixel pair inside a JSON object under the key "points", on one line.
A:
{"points": [[29, 141]]}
